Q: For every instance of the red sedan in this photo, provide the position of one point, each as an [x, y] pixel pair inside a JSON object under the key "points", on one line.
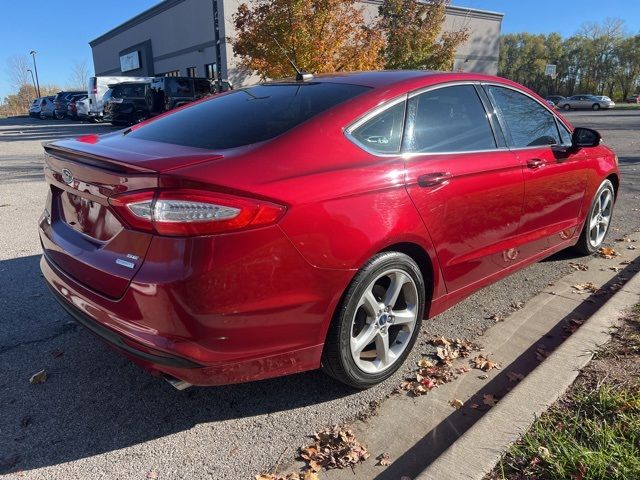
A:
{"points": [[295, 225]]}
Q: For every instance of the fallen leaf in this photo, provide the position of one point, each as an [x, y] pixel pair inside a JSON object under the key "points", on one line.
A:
{"points": [[607, 252], [514, 377], [456, 403], [38, 377], [489, 399], [543, 452], [495, 317], [631, 247], [152, 475], [309, 475], [584, 288], [484, 376], [517, 305], [334, 447], [424, 363], [475, 406], [482, 362], [384, 460], [579, 266]]}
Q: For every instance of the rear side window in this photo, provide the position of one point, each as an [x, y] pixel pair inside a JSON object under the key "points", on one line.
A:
{"points": [[128, 91], [180, 86], [246, 116], [527, 122], [383, 132], [448, 119]]}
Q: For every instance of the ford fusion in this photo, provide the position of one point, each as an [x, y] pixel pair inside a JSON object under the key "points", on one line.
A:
{"points": [[295, 225]]}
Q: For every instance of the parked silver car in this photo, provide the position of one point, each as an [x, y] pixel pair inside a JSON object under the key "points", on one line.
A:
{"points": [[593, 102]]}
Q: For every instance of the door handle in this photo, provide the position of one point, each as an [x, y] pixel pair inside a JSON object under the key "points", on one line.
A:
{"points": [[534, 163], [434, 179]]}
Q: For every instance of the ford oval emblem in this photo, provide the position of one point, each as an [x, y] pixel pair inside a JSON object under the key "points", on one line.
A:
{"points": [[66, 176]]}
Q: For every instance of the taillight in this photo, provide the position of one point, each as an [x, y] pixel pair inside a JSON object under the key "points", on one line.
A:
{"points": [[193, 212]]}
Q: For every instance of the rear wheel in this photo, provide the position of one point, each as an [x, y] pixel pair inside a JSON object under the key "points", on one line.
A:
{"points": [[377, 322], [595, 107], [58, 116], [566, 106], [597, 224]]}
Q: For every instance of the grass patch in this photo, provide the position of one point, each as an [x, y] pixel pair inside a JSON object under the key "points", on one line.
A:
{"points": [[593, 433], [627, 106]]}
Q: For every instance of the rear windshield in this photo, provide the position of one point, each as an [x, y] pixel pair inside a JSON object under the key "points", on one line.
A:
{"points": [[247, 116], [128, 91]]}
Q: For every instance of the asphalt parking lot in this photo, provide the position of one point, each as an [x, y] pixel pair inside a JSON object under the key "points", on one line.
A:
{"points": [[97, 415]]}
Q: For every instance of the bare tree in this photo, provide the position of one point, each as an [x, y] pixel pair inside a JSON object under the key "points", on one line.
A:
{"points": [[79, 75], [18, 71]]}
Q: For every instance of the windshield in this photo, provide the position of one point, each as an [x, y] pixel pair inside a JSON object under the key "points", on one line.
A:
{"points": [[247, 116]]}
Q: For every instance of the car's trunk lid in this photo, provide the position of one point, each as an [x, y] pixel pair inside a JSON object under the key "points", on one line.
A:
{"points": [[80, 231]]}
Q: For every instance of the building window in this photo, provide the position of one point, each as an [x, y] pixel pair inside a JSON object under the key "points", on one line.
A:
{"points": [[172, 73], [191, 72], [210, 70]]}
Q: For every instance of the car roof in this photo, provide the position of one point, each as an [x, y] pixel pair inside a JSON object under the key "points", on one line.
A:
{"points": [[409, 79]]}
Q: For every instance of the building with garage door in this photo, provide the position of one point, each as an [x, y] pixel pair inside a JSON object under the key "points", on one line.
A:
{"points": [[189, 38]]}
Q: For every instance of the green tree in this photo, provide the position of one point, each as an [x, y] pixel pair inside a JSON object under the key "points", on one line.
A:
{"points": [[414, 37], [628, 65]]}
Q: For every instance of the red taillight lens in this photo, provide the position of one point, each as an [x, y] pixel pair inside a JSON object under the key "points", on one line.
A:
{"points": [[193, 212]]}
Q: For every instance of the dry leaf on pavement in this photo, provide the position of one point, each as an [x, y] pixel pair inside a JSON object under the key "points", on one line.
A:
{"points": [[514, 377], [482, 362], [38, 377], [607, 252], [489, 399], [587, 287], [384, 460], [334, 447], [152, 475], [456, 403], [579, 266]]}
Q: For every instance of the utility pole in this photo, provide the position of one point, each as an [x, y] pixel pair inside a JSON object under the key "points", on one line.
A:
{"points": [[35, 90], [33, 54]]}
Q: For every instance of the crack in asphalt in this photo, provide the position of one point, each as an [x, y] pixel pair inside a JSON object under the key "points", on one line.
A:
{"points": [[66, 328]]}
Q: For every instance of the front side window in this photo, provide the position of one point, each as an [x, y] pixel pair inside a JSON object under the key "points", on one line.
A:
{"points": [[383, 132], [448, 119], [528, 123], [247, 116]]}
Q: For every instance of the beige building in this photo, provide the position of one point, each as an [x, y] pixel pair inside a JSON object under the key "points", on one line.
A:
{"points": [[189, 38]]}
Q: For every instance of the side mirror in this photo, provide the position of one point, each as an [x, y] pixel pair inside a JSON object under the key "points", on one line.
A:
{"points": [[585, 137]]}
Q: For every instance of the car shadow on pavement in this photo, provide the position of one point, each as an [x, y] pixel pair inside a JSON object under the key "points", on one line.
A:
{"points": [[94, 400], [441, 437]]}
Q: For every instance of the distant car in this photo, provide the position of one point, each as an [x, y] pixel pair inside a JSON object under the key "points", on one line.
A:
{"points": [[593, 102], [61, 101], [555, 99], [125, 103], [72, 111], [47, 109], [550, 103], [98, 87], [635, 98], [34, 109], [167, 93], [82, 108]]}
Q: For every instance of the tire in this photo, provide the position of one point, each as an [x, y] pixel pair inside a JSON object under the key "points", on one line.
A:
{"points": [[566, 107], [589, 243], [58, 116], [43, 116], [595, 107], [139, 117], [362, 366]]}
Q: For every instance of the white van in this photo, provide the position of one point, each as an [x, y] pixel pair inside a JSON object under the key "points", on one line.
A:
{"points": [[98, 86]]}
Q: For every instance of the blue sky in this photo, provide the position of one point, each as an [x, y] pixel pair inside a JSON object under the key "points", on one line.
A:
{"points": [[60, 31]]}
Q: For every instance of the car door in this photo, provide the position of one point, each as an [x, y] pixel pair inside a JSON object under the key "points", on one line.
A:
{"points": [[554, 176], [467, 186]]}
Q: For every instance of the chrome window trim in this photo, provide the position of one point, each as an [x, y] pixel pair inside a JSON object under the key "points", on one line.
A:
{"points": [[406, 96]]}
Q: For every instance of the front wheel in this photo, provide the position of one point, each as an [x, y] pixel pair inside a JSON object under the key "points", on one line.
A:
{"points": [[597, 223], [59, 116], [566, 107], [377, 321]]}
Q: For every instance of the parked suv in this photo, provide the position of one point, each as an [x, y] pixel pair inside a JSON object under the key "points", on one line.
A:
{"points": [[72, 109], [47, 108], [125, 103], [34, 109], [166, 93], [61, 101]]}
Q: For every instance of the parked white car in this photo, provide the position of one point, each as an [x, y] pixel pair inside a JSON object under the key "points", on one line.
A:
{"points": [[82, 108], [98, 86]]}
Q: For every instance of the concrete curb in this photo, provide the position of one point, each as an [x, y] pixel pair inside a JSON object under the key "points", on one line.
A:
{"points": [[478, 450]]}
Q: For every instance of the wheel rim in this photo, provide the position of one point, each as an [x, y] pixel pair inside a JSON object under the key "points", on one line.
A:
{"points": [[600, 217], [384, 321]]}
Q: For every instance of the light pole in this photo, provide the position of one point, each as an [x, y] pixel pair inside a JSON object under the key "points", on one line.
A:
{"points": [[34, 82], [33, 54]]}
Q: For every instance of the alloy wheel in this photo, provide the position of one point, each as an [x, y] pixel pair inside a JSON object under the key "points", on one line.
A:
{"points": [[600, 217], [384, 321]]}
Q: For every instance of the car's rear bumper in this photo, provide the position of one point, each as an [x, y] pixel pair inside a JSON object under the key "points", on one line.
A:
{"points": [[263, 314]]}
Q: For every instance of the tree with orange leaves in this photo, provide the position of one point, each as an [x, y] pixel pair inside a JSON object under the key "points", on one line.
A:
{"points": [[413, 35], [320, 36]]}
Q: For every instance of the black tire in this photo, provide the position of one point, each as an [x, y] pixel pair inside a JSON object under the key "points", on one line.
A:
{"points": [[337, 359], [595, 107], [58, 116], [584, 245], [139, 117], [566, 107], [43, 116]]}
